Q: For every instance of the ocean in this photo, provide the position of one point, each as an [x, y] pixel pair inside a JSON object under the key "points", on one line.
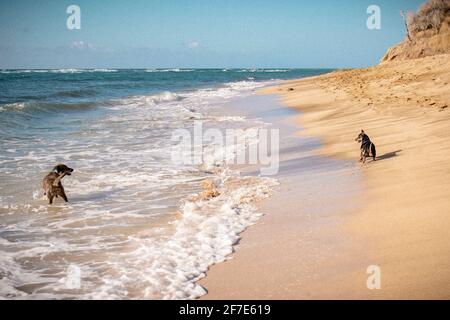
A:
{"points": [[133, 228]]}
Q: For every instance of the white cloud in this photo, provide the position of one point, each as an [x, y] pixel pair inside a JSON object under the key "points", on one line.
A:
{"points": [[193, 45], [81, 45]]}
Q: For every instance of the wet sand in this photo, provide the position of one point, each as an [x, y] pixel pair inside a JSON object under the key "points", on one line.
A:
{"points": [[327, 223], [299, 249]]}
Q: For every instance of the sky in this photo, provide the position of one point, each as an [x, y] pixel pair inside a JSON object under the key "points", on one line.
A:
{"points": [[198, 33]]}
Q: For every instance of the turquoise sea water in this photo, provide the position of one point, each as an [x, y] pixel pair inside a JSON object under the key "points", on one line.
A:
{"points": [[130, 229]]}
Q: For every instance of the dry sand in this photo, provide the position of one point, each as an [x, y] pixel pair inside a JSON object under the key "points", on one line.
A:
{"points": [[400, 220]]}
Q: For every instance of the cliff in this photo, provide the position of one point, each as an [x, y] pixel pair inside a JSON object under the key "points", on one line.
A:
{"points": [[428, 33]]}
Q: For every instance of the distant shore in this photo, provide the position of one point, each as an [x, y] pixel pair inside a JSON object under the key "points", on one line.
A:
{"points": [[399, 217]]}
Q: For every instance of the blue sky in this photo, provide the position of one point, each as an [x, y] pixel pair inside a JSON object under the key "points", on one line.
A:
{"points": [[197, 33]]}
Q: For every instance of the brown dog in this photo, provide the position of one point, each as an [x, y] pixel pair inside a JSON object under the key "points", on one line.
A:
{"points": [[52, 182]]}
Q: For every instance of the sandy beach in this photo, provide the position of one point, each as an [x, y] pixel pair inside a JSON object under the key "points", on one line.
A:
{"points": [[212, 151], [399, 217]]}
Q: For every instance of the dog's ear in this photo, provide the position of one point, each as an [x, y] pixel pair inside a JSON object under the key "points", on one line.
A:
{"points": [[362, 131]]}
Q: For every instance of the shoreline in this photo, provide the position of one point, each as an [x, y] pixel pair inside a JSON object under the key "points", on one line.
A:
{"points": [[401, 221], [305, 227]]}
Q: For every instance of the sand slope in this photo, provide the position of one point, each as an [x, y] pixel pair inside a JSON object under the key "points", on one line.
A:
{"points": [[404, 106]]}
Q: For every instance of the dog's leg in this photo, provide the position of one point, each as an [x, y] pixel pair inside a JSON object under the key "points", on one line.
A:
{"points": [[63, 194], [50, 198]]}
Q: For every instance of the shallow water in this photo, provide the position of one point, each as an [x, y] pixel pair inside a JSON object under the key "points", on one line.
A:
{"points": [[131, 228]]}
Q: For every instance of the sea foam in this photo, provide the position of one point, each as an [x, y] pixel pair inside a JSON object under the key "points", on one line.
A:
{"points": [[133, 227]]}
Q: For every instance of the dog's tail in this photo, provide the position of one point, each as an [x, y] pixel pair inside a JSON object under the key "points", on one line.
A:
{"points": [[373, 150]]}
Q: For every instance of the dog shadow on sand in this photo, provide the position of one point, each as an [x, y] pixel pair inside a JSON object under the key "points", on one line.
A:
{"points": [[389, 155]]}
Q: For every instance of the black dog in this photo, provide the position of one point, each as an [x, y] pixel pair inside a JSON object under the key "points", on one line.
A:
{"points": [[367, 147]]}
